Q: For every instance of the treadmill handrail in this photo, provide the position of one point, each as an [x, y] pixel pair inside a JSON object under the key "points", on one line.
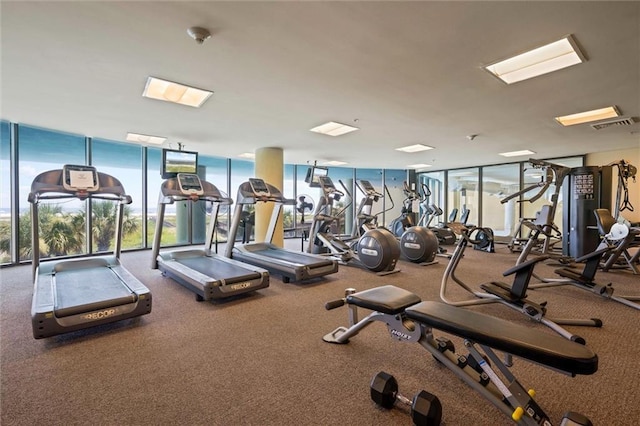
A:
{"points": [[49, 186], [170, 192], [51, 182]]}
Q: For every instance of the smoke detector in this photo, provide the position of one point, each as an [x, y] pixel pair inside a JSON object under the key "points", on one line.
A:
{"points": [[199, 34]]}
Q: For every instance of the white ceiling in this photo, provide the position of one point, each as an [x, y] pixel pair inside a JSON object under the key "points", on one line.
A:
{"points": [[408, 72]]}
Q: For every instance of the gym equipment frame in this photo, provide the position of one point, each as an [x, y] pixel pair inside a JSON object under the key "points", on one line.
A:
{"points": [[585, 279], [74, 294], [209, 275], [291, 265], [410, 320], [513, 296]]}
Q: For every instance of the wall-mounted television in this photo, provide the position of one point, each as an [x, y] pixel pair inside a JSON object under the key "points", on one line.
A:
{"points": [[313, 175], [174, 162]]}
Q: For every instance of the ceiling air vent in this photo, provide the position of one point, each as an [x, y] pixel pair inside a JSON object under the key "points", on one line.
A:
{"points": [[623, 121]]}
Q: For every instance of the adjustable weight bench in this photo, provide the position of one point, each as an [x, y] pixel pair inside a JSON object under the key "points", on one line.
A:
{"points": [[409, 319]]}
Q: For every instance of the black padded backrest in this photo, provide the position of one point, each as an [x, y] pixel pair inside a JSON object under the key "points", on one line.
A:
{"points": [[464, 217], [604, 220], [544, 348], [453, 215], [543, 216]]}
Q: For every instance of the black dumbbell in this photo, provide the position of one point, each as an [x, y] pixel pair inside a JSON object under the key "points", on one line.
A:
{"points": [[425, 407]]}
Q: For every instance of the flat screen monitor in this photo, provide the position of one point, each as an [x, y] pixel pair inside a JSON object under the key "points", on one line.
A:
{"points": [[313, 175], [174, 162]]}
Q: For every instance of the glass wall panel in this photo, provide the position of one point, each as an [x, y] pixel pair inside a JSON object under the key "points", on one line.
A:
{"points": [[241, 171], [346, 207], [154, 180], [62, 224], [124, 162], [289, 191], [497, 183], [214, 170], [462, 191], [394, 199], [5, 194], [433, 182], [305, 196], [374, 176]]}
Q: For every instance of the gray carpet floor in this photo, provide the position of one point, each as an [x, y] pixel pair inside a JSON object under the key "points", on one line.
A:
{"points": [[261, 360]]}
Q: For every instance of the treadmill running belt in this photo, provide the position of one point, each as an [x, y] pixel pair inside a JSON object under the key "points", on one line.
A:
{"points": [[293, 257], [89, 289], [218, 269]]}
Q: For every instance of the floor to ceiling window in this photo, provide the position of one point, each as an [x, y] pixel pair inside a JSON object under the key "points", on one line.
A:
{"points": [[462, 191], [431, 191], [5, 194], [497, 183], [394, 181], [124, 162], [62, 223]]}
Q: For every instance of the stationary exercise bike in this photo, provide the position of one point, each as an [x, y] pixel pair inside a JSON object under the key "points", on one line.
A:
{"points": [[376, 250]]}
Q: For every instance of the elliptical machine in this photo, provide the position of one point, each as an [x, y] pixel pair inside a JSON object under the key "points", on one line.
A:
{"points": [[418, 244], [376, 250]]}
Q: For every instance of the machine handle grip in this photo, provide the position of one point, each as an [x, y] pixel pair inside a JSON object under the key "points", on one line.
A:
{"points": [[334, 304]]}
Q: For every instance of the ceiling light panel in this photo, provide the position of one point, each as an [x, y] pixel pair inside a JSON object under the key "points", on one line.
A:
{"points": [[542, 60], [589, 116], [169, 91], [414, 148], [517, 153], [139, 138], [335, 163], [249, 155], [418, 166], [334, 129]]}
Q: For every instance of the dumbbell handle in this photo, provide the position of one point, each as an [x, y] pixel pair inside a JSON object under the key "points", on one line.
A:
{"points": [[403, 399]]}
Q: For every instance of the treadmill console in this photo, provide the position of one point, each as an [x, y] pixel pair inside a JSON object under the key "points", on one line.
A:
{"points": [[80, 178], [259, 187], [190, 184], [368, 188], [326, 182]]}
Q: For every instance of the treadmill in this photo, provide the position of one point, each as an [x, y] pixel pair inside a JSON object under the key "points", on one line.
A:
{"points": [[291, 265], [207, 274], [73, 294]]}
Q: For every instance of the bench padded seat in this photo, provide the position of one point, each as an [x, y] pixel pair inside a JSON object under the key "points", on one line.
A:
{"points": [[544, 348], [387, 299]]}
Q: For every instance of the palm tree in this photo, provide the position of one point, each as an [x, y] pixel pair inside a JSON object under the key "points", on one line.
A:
{"points": [[104, 223], [63, 233], [60, 231]]}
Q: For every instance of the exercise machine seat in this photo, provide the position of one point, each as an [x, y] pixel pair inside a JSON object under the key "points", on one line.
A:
{"points": [[544, 348], [387, 299]]}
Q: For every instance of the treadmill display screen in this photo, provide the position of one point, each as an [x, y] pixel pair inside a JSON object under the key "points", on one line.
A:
{"points": [[80, 178], [190, 184], [259, 187]]}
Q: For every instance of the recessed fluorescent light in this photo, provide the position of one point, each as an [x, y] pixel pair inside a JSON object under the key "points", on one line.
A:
{"points": [[418, 166], [516, 153], [588, 116], [414, 148], [250, 155], [542, 60], [173, 92], [335, 163], [334, 129], [137, 137]]}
